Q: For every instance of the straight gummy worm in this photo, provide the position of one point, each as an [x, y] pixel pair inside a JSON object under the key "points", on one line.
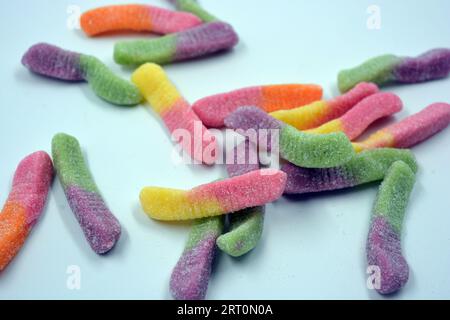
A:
{"points": [[136, 17], [433, 64], [411, 130], [214, 109], [54, 62], [218, 198], [25, 204], [384, 248], [192, 6], [199, 41], [175, 111], [100, 227], [320, 112], [365, 167]]}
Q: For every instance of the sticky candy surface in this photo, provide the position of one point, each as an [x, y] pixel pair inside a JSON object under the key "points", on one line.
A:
{"points": [[411, 130], [434, 64], [356, 121], [25, 203], [193, 7], [199, 41], [100, 227], [135, 17], [175, 111], [190, 277], [320, 112], [230, 195], [365, 167], [214, 109], [54, 62], [384, 241]]}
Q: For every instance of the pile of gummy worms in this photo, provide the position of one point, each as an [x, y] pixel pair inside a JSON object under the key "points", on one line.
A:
{"points": [[316, 142]]}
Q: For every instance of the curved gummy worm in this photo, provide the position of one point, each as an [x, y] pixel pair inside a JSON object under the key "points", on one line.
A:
{"points": [[320, 112], [199, 41], [384, 242], [192, 6], [365, 167], [302, 149], [356, 121], [411, 130], [431, 65], [246, 226], [190, 277], [54, 62], [214, 109], [25, 203], [101, 228], [176, 112], [230, 195], [136, 17]]}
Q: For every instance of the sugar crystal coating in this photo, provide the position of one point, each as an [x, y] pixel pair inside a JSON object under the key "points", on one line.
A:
{"points": [[192, 6]]}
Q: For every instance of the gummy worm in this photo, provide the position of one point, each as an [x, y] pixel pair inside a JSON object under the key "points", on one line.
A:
{"points": [[25, 203], [356, 121], [302, 149], [320, 112], [175, 111], [214, 109], [431, 65], [411, 130], [365, 167], [136, 17], [101, 228], [230, 195], [384, 241], [192, 6], [54, 62], [199, 41]]}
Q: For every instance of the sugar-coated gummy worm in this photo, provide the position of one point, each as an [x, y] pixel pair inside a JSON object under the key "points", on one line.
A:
{"points": [[192, 6], [246, 226], [101, 228], [384, 248], [320, 112], [51, 61], [25, 203], [356, 121], [190, 277], [431, 65], [302, 149], [199, 41], [136, 17], [214, 109], [230, 195], [365, 167], [175, 111], [411, 130]]}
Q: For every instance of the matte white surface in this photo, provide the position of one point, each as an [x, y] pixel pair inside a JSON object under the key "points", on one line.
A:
{"points": [[312, 247]]}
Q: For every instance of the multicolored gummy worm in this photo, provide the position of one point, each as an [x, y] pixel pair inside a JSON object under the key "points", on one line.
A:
{"points": [[176, 112], [192, 6], [362, 115], [246, 226], [301, 149], [199, 41], [384, 248], [51, 61], [411, 130], [25, 204], [431, 65], [365, 167], [317, 113], [214, 109], [101, 228], [136, 17], [217, 198]]}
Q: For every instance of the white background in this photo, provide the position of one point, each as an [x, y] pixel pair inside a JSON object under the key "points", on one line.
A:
{"points": [[312, 247]]}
